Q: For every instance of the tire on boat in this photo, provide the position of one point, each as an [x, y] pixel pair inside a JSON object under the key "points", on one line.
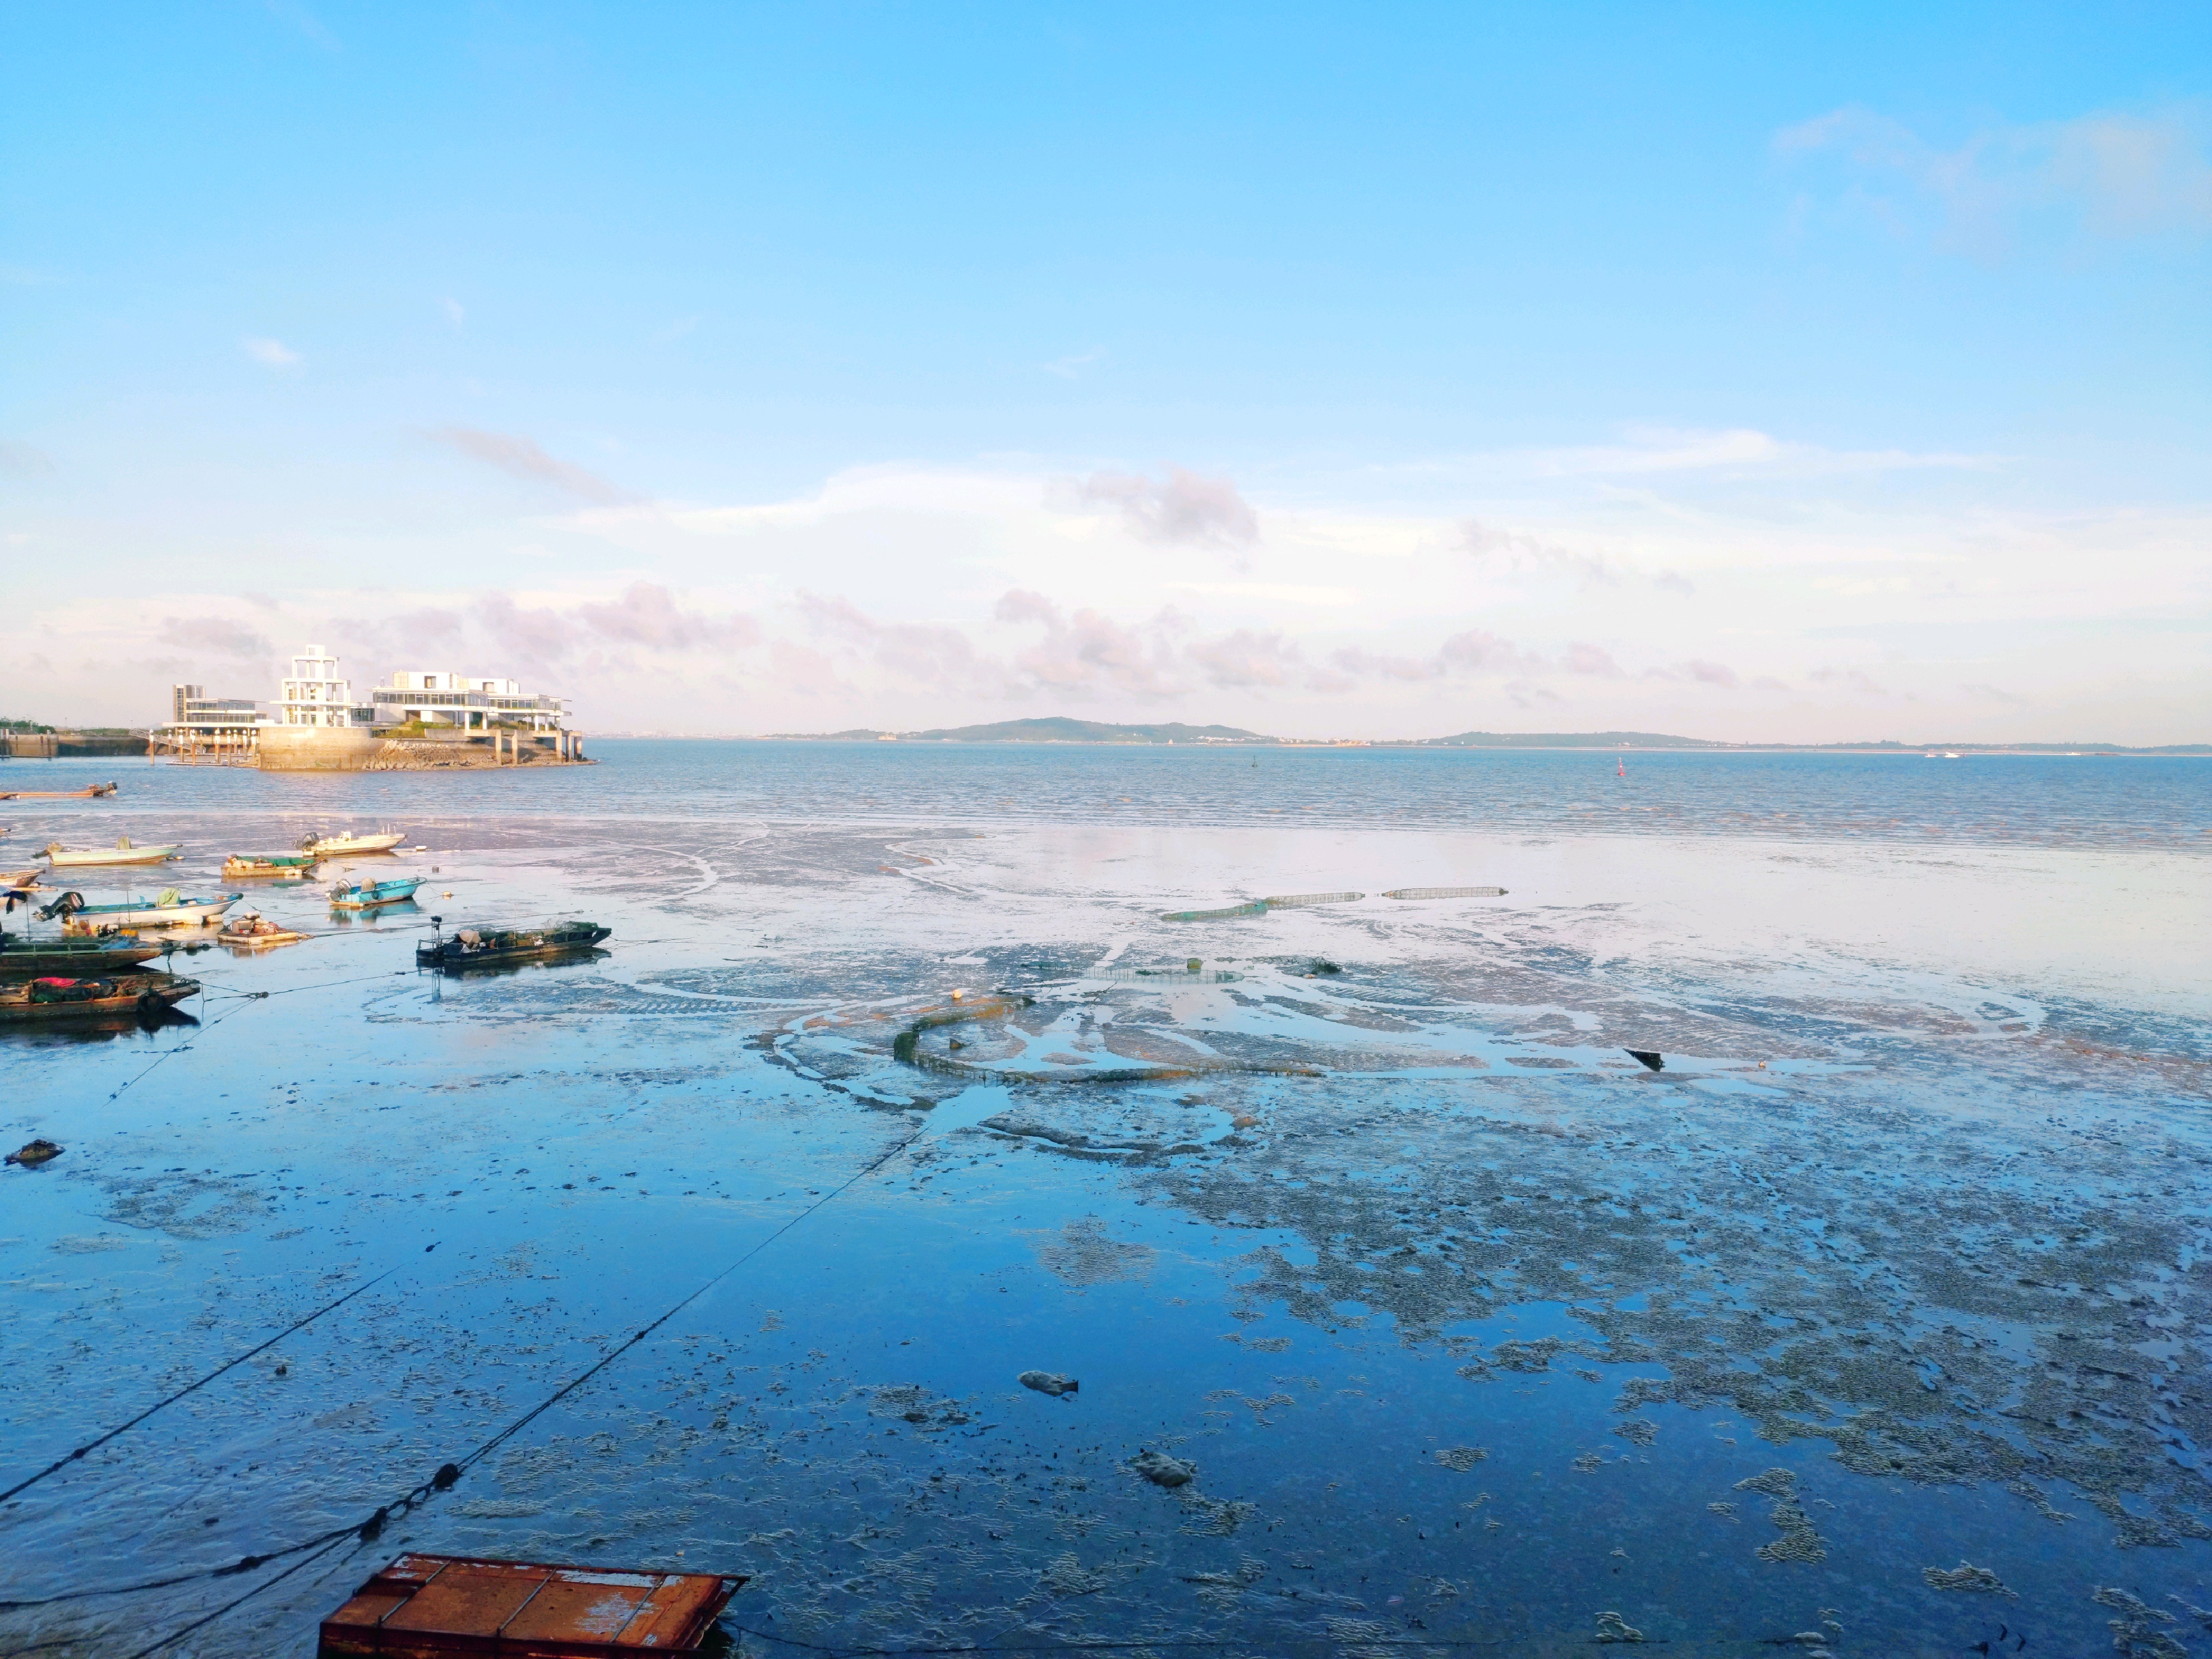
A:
{"points": [[151, 1007]]}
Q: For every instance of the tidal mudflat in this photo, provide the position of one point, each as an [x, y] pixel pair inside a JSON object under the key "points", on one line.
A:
{"points": [[1409, 1312]]}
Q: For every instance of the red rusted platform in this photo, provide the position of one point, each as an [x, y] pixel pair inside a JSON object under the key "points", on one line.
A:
{"points": [[424, 1607]]}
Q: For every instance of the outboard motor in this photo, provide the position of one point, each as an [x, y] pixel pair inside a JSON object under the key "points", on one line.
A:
{"points": [[67, 905]]}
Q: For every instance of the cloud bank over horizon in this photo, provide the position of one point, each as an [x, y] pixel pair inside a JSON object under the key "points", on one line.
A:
{"points": [[1047, 594]]}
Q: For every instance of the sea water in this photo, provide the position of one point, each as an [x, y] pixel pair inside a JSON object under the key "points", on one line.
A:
{"points": [[1874, 1323]]}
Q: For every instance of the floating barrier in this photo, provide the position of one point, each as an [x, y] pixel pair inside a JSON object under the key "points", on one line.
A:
{"points": [[1444, 892], [1298, 901]]}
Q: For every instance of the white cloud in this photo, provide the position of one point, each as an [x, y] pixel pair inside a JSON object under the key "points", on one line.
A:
{"points": [[2107, 174], [272, 353], [1185, 507], [521, 457]]}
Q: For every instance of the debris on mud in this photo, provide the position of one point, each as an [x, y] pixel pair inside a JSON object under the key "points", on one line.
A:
{"points": [[1462, 1458], [1612, 1627], [1799, 1542], [1162, 1470], [35, 1152], [1650, 1057], [1967, 1577], [1051, 1383]]}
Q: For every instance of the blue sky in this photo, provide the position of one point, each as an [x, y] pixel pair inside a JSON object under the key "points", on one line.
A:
{"points": [[1755, 372]]}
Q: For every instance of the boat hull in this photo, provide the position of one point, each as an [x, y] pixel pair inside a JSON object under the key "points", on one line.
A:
{"points": [[77, 958], [456, 956], [75, 857], [281, 868], [257, 941], [331, 846], [197, 913], [370, 898], [135, 993]]}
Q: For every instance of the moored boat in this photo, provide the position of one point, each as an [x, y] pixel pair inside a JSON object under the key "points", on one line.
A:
{"points": [[294, 865], [58, 997], [95, 792], [368, 895], [170, 909], [473, 947], [346, 841], [123, 852], [255, 933], [27, 958], [17, 880]]}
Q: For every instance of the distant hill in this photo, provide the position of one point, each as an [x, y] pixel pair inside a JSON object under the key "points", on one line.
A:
{"points": [[1052, 729], [1060, 729]]}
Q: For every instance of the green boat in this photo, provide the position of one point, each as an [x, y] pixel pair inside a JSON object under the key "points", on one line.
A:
{"points": [[484, 947], [33, 958]]}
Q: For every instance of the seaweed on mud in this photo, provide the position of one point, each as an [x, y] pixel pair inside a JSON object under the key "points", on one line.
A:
{"points": [[1967, 1576]]}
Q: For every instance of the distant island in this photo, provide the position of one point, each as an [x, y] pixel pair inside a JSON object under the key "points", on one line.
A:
{"points": [[1060, 728]]}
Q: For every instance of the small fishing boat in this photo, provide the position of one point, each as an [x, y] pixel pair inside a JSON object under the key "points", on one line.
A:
{"points": [[324, 846], [297, 866], [122, 853], [475, 947], [255, 933], [368, 895], [20, 878], [56, 997], [27, 958], [97, 792], [170, 909]]}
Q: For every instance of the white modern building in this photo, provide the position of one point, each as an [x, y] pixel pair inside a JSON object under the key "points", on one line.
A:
{"points": [[474, 702], [196, 720], [315, 695]]}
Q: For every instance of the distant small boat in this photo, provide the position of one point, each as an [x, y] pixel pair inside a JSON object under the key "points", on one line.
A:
{"points": [[95, 792], [368, 895], [268, 864], [58, 997], [347, 841], [1950, 754], [252, 933], [27, 958], [475, 947], [122, 853], [20, 878], [171, 909]]}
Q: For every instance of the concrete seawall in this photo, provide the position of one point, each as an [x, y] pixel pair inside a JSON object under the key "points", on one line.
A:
{"points": [[316, 749], [338, 749]]}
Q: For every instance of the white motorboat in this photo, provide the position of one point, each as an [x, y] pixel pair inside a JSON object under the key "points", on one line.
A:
{"points": [[123, 852], [171, 909], [324, 846]]}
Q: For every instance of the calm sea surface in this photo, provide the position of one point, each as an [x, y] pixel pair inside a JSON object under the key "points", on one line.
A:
{"points": [[1874, 1323]]}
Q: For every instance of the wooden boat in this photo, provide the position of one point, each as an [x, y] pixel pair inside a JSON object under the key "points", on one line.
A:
{"points": [[294, 865], [55, 997], [322, 847], [252, 933], [27, 958], [475, 947], [95, 792], [368, 895], [170, 909], [18, 880], [123, 852], [426, 1606]]}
